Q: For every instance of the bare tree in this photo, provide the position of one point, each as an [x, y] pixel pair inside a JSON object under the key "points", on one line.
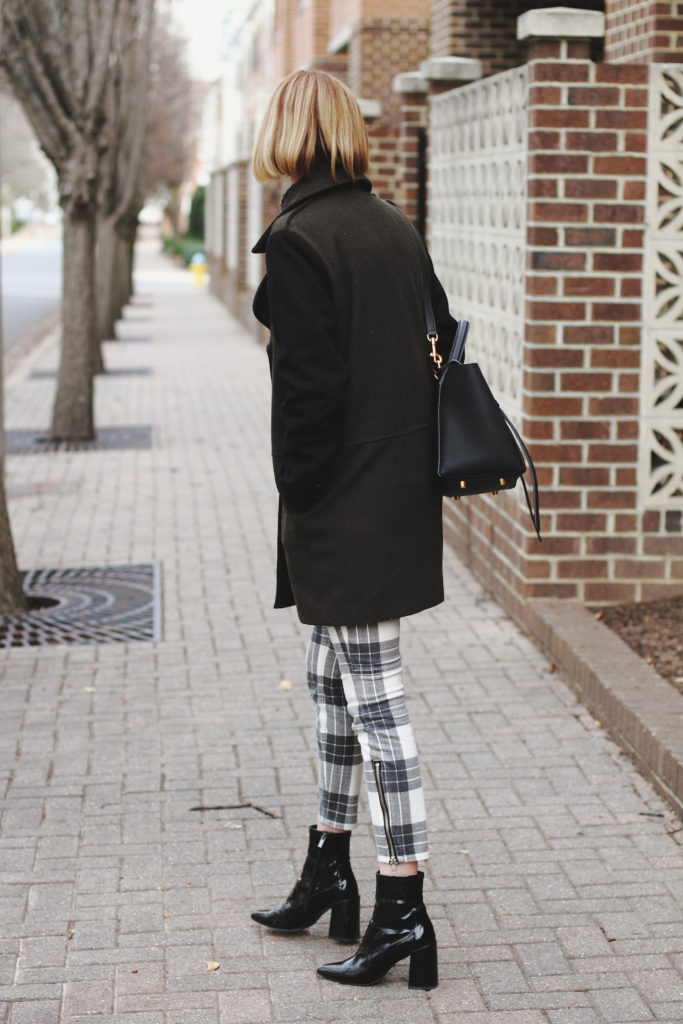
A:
{"points": [[122, 169], [57, 59], [59, 56], [173, 120]]}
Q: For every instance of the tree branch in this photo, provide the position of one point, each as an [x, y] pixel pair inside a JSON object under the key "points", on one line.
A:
{"points": [[25, 63], [41, 24], [100, 64], [24, 88], [79, 48], [138, 83]]}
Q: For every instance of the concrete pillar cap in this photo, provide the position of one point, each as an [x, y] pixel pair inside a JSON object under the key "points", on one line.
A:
{"points": [[451, 69], [341, 40], [409, 81], [561, 23], [369, 108]]}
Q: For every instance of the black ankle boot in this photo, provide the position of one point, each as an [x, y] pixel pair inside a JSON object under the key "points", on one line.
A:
{"points": [[399, 927], [326, 882]]}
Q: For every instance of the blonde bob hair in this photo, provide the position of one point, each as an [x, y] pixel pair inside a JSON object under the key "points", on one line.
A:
{"points": [[312, 120]]}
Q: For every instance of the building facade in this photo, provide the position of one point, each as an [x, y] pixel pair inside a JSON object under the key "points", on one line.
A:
{"points": [[539, 150]]}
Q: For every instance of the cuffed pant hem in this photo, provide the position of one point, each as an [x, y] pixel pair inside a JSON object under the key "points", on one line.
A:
{"points": [[346, 825], [407, 859]]}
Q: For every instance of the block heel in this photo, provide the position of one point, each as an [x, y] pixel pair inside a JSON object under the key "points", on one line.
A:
{"points": [[424, 969], [326, 882], [345, 920], [399, 928]]}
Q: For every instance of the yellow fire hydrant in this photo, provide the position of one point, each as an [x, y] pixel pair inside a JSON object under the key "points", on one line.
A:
{"points": [[198, 268]]}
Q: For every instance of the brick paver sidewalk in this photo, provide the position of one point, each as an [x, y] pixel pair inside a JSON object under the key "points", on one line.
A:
{"points": [[556, 877]]}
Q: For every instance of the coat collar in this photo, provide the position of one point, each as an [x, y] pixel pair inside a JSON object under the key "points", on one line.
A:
{"points": [[306, 189]]}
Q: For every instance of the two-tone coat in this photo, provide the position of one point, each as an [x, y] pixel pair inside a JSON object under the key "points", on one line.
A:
{"points": [[353, 405]]}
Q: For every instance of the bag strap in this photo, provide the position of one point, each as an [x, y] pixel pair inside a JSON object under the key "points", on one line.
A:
{"points": [[430, 322], [535, 514], [458, 347], [461, 331]]}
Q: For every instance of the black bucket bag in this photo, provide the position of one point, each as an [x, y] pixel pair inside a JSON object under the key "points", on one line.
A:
{"points": [[479, 449]]}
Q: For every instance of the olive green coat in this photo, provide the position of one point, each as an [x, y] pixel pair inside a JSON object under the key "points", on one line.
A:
{"points": [[353, 410]]}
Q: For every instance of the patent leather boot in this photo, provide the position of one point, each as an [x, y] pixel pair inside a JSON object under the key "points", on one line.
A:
{"points": [[326, 882], [399, 927]]}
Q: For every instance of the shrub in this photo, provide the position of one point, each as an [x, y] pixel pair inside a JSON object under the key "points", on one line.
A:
{"points": [[184, 247]]}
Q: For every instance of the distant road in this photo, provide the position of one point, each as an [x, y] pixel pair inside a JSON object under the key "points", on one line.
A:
{"points": [[31, 281]]}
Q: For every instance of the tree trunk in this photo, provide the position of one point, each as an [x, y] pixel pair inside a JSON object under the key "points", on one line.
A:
{"points": [[12, 596], [122, 275], [128, 229], [72, 416], [97, 356], [131, 262], [108, 310], [173, 211]]}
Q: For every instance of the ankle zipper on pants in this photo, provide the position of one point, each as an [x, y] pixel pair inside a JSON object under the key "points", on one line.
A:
{"points": [[377, 767]]}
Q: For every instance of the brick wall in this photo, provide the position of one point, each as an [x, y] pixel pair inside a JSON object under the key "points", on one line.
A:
{"points": [[487, 29], [345, 13], [311, 31], [484, 29], [643, 31], [229, 255], [283, 40], [380, 47]]}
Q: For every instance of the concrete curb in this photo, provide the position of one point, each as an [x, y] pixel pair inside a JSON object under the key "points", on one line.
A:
{"points": [[640, 710]]}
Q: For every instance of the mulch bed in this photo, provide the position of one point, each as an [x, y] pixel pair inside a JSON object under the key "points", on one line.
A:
{"points": [[654, 629]]}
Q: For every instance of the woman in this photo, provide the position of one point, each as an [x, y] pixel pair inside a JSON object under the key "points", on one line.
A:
{"points": [[359, 525]]}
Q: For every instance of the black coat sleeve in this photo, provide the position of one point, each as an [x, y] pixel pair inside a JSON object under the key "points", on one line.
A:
{"points": [[309, 374]]}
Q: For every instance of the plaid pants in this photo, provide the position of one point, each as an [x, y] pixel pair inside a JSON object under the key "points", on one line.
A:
{"points": [[362, 728]]}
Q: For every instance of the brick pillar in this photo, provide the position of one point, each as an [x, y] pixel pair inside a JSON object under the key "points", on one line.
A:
{"points": [[411, 86], [586, 206]]}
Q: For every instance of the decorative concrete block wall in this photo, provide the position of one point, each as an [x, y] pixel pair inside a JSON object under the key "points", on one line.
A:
{"points": [[477, 218], [661, 419]]}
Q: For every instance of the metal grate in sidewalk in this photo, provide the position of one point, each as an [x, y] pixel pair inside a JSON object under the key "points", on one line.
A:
{"points": [[92, 605], [33, 442], [117, 371]]}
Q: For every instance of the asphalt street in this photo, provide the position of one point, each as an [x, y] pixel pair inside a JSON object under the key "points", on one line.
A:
{"points": [[31, 276]]}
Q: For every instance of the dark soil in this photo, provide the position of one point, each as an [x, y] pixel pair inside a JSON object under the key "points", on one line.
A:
{"points": [[654, 629]]}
